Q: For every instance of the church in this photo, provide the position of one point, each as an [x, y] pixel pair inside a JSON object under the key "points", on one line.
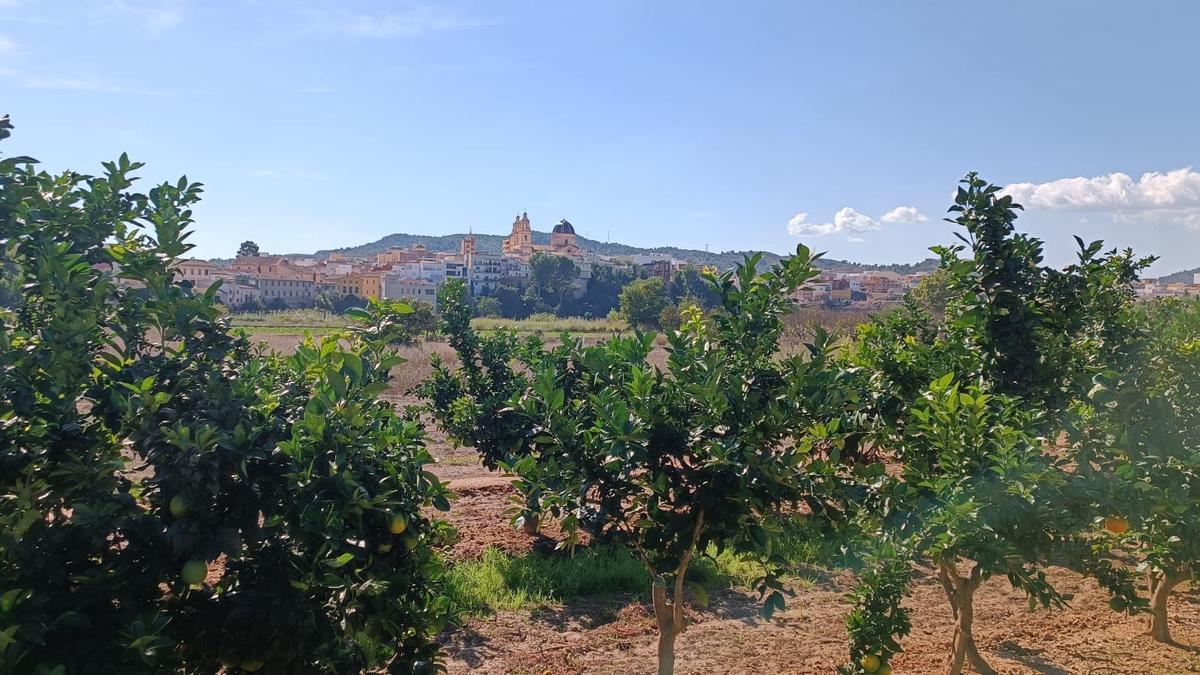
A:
{"points": [[520, 244]]}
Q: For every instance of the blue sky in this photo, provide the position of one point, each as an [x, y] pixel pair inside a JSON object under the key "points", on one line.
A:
{"points": [[318, 123]]}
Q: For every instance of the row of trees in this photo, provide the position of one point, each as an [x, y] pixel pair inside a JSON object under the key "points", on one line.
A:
{"points": [[172, 498], [553, 288], [968, 395]]}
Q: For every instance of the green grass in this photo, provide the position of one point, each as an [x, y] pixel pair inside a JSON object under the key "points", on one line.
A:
{"points": [[298, 318], [284, 330], [497, 581], [801, 543], [549, 324]]}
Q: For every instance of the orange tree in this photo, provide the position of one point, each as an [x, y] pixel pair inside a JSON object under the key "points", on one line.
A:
{"points": [[74, 574], [964, 405], [173, 498], [472, 403], [1140, 427], [668, 462]]}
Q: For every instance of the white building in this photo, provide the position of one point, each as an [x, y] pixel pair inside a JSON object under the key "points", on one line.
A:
{"points": [[235, 294], [401, 288], [433, 270], [200, 273], [484, 272]]}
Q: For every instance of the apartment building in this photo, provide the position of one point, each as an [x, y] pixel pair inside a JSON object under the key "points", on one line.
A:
{"points": [[396, 287]]}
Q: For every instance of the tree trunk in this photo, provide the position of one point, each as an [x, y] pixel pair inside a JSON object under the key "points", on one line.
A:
{"points": [[668, 612], [1161, 585], [667, 631], [960, 591]]}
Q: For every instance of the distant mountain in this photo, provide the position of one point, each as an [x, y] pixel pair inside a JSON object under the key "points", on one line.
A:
{"points": [[491, 243], [1180, 277]]}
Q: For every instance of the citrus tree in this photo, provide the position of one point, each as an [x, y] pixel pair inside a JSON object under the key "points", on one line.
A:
{"points": [[1141, 429], [471, 403], [965, 404], [642, 302], [173, 498], [75, 577], [669, 462]]}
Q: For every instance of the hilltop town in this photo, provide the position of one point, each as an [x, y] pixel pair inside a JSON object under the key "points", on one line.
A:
{"points": [[256, 280]]}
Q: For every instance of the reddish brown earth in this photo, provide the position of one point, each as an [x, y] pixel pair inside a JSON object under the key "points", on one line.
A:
{"points": [[616, 635]]}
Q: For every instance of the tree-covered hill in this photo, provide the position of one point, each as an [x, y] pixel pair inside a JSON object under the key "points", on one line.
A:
{"points": [[1180, 277], [490, 243]]}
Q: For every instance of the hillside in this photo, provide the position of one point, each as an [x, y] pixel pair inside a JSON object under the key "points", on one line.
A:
{"points": [[490, 243], [1180, 277]]}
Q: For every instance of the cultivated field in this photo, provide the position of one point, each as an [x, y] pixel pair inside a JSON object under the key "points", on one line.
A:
{"points": [[532, 610], [524, 620]]}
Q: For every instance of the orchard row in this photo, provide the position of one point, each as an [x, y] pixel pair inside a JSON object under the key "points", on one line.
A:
{"points": [[174, 498], [1033, 415]]}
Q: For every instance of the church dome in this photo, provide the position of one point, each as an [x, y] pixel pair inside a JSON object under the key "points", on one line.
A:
{"points": [[564, 227]]}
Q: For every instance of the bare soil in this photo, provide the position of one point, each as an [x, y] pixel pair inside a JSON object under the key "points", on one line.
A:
{"points": [[616, 634]]}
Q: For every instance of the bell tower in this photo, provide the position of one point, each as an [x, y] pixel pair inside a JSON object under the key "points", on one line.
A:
{"points": [[520, 242]]}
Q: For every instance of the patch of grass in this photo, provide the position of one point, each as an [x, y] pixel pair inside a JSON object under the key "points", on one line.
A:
{"points": [[802, 543], [497, 581], [551, 325], [459, 460], [284, 330], [303, 318], [500, 582]]}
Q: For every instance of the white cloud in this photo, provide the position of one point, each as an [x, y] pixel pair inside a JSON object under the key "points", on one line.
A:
{"points": [[903, 214], [411, 20], [1157, 196], [6, 45], [156, 17], [845, 220], [84, 84], [849, 220], [855, 240]]}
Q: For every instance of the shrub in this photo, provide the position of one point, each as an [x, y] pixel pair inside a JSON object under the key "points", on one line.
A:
{"points": [[643, 301], [965, 405], [667, 463], [1140, 428], [274, 522], [471, 404], [79, 557]]}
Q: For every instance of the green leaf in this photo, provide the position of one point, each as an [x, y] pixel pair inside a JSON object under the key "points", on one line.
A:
{"points": [[340, 561]]}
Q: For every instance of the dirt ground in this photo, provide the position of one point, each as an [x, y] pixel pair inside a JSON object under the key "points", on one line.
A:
{"points": [[616, 635]]}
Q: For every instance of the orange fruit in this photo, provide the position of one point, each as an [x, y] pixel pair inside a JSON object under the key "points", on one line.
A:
{"points": [[1116, 525], [398, 525]]}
